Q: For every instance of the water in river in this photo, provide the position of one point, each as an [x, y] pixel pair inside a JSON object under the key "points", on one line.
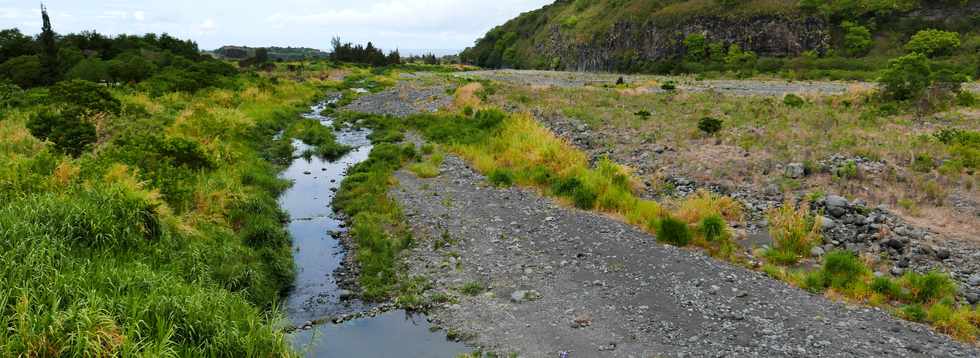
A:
{"points": [[317, 255]]}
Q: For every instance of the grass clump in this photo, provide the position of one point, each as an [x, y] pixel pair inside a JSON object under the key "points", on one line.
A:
{"points": [[713, 227], [794, 232], [472, 288], [793, 100], [673, 231], [428, 168], [709, 125], [321, 138]]}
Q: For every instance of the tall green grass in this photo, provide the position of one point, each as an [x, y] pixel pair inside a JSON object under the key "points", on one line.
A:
{"points": [[164, 239]]}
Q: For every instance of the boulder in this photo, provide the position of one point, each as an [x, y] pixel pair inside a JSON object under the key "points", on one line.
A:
{"points": [[795, 170]]}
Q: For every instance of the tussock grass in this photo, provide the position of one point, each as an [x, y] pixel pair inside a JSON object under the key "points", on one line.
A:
{"points": [[794, 232]]}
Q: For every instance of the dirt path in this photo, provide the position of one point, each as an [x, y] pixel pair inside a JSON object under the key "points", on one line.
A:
{"points": [[561, 279]]}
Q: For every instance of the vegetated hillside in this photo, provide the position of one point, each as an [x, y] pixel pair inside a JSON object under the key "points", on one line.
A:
{"points": [[275, 53], [839, 38]]}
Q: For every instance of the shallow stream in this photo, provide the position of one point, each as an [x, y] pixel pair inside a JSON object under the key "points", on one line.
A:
{"points": [[317, 255]]}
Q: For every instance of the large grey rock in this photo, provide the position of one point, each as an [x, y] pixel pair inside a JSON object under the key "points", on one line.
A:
{"points": [[833, 201], [795, 170]]}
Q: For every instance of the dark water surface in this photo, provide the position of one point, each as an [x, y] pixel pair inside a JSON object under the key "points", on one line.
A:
{"points": [[317, 255]]}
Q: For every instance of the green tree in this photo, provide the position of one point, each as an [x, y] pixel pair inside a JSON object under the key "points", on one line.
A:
{"points": [[24, 71], [87, 97], [15, 44], [49, 50], [857, 39], [67, 128], [130, 67], [261, 55], [697, 47], [90, 69], [933, 42], [906, 77]]}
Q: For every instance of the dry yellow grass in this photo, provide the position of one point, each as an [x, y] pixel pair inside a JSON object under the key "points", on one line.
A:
{"points": [[465, 96]]}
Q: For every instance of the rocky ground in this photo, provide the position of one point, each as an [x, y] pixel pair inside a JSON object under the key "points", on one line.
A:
{"points": [[876, 232], [560, 279], [405, 99]]}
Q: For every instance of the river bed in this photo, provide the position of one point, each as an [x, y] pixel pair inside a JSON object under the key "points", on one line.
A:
{"points": [[317, 255]]}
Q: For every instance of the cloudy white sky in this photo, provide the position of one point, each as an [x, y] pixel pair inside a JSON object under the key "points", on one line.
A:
{"points": [[405, 24]]}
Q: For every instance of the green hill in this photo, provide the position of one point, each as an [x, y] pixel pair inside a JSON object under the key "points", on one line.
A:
{"points": [[809, 38], [275, 53]]}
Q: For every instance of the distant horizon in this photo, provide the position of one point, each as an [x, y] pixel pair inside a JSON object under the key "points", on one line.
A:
{"points": [[401, 51], [448, 26]]}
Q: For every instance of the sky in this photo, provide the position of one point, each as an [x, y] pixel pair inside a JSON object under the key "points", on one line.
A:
{"points": [[390, 24]]}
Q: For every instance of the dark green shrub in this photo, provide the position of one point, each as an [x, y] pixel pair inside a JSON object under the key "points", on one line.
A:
{"points": [[642, 114], [922, 163], [541, 175], [674, 232], [697, 47], [906, 77], [933, 42], [91, 97], [793, 100], [24, 71], [709, 125], [67, 128], [886, 286], [842, 269], [501, 177], [668, 86], [929, 287], [713, 227], [914, 312], [966, 99], [584, 197], [857, 39]]}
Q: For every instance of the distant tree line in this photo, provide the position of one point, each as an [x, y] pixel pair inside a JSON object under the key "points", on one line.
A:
{"points": [[369, 55], [159, 62]]}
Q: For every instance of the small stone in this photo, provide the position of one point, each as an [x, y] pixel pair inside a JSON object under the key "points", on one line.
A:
{"points": [[897, 271], [307, 172], [521, 296], [974, 280], [827, 223], [816, 251]]}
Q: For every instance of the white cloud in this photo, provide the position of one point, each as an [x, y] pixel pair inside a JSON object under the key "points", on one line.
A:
{"points": [[207, 27], [139, 15]]}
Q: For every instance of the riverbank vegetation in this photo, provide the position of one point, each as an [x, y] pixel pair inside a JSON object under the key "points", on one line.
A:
{"points": [[138, 216]]}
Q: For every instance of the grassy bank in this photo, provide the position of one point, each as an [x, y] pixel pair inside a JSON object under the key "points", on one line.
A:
{"points": [[161, 237]]}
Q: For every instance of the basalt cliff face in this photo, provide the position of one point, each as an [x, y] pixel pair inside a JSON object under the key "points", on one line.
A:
{"points": [[618, 35], [628, 41]]}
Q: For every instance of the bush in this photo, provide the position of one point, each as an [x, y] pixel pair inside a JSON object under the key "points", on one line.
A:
{"points": [[713, 227], [67, 128], [929, 287], [842, 269], [669, 86], [501, 177], [674, 232], [24, 71], [857, 39], [793, 100], [933, 42], [89, 96], [697, 47], [966, 99], [906, 77], [886, 286], [709, 125], [914, 312]]}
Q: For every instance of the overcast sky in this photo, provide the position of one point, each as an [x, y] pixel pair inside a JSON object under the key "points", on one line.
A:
{"points": [[405, 24]]}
